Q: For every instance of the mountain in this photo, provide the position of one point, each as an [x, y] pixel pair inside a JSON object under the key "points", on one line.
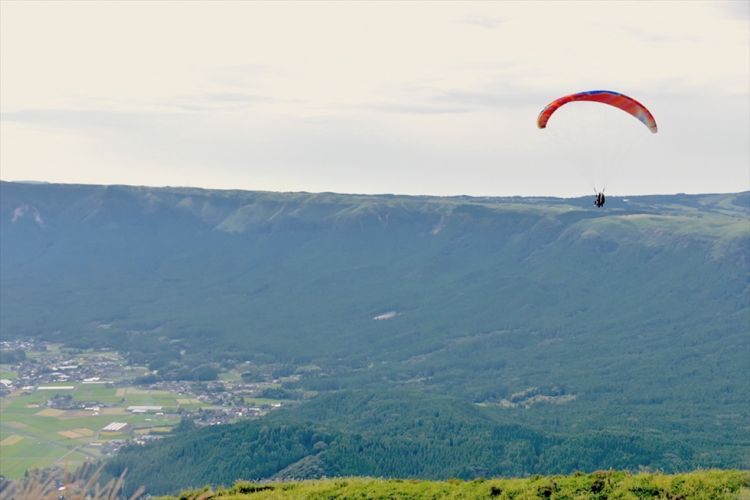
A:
{"points": [[566, 323], [395, 433]]}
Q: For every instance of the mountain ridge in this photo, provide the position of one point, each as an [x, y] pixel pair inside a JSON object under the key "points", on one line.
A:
{"points": [[579, 323]]}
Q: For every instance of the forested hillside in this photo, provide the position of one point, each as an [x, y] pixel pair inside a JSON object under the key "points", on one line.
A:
{"points": [[395, 434], [540, 334]]}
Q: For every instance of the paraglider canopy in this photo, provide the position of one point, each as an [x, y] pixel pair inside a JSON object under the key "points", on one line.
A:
{"points": [[621, 101]]}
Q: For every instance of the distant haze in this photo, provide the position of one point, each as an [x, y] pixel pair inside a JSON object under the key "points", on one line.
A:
{"points": [[418, 98]]}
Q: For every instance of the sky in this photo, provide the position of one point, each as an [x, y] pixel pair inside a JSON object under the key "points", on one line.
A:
{"points": [[425, 97]]}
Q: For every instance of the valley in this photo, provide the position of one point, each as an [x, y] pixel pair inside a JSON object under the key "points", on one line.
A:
{"points": [[403, 336]]}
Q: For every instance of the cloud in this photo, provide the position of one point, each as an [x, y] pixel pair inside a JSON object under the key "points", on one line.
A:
{"points": [[484, 21], [497, 95], [498, 98], [222, 100], [425, 109], [235, 97], [73, 119], [735, 9], [658, 37]]}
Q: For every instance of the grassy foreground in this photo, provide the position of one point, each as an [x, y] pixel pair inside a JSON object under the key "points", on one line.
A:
{"points": [[708, 484]]}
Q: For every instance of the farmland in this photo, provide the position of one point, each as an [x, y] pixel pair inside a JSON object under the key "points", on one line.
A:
{"points": [[61, 406], [33, 435]]}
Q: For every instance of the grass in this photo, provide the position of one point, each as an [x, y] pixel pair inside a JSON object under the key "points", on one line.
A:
{"points": [[96, 392], [263, 401], [32, 453], [142, 397], [231, 376], [705, 484], [83, 484], [52, 350]]}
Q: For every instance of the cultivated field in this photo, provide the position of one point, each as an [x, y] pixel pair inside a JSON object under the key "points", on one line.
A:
{"points": [[33, 435]]}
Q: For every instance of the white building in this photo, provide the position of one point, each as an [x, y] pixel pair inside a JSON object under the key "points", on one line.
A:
{"points": [[115, 427], [144, 409]]}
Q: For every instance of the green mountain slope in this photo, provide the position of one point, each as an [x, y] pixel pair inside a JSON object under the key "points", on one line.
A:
{"points": [[397, 434], [544, 313]]}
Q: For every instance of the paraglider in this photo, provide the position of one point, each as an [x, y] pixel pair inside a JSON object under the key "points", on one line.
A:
{"points": [[620, 101], [600, 199]]}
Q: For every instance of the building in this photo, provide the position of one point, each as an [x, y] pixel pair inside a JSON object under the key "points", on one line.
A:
{"points": [[144, 409], [115, 427]]}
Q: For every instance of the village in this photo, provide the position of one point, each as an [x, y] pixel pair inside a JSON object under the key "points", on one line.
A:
{"points": [[51, 383]]}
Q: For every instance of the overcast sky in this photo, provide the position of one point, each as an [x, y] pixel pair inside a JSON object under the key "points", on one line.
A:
{"points": [[415, 98]]}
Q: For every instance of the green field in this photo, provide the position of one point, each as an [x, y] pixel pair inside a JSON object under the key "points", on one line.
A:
{"points": [[6, 372], [33, 436], [52, 350], [231, 376], [95, 392]]}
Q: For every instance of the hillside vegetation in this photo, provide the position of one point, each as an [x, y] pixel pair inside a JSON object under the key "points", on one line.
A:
{"points": [[402, 435], [600, 485], [447, 337]]}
